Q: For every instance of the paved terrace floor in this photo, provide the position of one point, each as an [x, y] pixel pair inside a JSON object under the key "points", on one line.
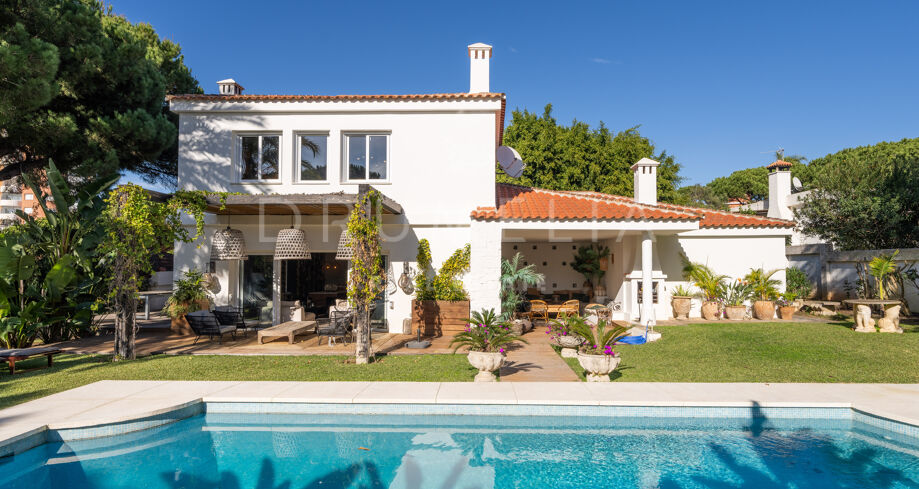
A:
{"points": [[117, 401]]}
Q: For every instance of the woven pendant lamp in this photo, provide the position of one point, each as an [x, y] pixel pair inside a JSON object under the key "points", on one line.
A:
{"points": [[345, 251], [228, 244], [292, 245]]}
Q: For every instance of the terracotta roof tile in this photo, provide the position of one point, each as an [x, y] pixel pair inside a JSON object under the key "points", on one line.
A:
{"points": [[779, 164], [342, 98], [514, 202]]}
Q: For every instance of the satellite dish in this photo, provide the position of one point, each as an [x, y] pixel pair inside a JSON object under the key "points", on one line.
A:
{"points": [[510, 161], [796, 184]]}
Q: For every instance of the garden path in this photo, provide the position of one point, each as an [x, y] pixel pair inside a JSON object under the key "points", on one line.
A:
{"points": [[536, 361]]}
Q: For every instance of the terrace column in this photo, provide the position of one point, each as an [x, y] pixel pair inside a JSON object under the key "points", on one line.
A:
{"points": [[647, 284]]}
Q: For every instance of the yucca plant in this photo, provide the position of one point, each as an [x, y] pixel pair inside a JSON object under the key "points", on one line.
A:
{"points": [[682, 291], [485, 332], [709, 283], [599, 340], [735, 293], [763, 286], [882, 267]]}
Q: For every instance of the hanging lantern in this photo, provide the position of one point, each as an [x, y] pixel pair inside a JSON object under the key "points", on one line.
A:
{"points": [[228, 244], [345, 251], [292, 245]]}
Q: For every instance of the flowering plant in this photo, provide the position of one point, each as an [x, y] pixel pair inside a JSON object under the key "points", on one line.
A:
{"points": [[559, 328], [787, 299], [485, 333], [597, 340]]}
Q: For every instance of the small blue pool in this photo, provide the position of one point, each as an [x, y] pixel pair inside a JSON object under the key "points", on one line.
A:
{"points": [[548, 447]]}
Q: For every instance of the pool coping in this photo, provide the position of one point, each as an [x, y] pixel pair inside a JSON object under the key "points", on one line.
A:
{"points": [[124, 402]]}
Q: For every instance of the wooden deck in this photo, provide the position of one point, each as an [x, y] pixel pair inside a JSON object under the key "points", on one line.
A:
{"points": [[159, 341]]}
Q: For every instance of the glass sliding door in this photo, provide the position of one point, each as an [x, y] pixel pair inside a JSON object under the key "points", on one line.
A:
{"points": [[256, 278]]}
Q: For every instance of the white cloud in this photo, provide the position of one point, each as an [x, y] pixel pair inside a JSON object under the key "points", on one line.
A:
{"points": [[602, 61]]}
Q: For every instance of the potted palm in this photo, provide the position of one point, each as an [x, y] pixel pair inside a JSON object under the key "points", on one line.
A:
{"points": [[735, 294], [681, 301], [190, 295], [596, 355], [560, 332], [709, 284], [765, 290], [485, 338], [513, 279], [787, 305]]}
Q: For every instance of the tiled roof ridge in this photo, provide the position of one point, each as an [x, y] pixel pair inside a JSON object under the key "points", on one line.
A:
{"points": [[344, 97]]}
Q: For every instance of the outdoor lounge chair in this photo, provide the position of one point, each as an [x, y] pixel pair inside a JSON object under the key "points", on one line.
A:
{"points": [[203, 323], [339, 326], [233, 316]]}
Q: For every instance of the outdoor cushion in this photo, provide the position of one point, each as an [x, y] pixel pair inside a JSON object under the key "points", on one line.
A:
{"points": [[227, 329]]}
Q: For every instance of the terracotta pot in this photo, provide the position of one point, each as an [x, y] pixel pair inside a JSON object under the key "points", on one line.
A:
{"points": [[735, 313], [763, 310], [787, 312], [180, 326], [710, 310], [486, 363], [681, 306], [598, 367]]}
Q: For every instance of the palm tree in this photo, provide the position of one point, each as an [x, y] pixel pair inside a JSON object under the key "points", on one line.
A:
{"points": [[763, 286], [512, 276], [710, 284], [881, 268]]}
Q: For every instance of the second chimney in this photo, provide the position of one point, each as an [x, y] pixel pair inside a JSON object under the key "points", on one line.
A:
{"points": [[229, 87], [479, 56], [645, 180]]}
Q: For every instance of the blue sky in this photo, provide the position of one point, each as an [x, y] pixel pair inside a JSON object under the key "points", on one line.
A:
{"points": [[716, 84]]}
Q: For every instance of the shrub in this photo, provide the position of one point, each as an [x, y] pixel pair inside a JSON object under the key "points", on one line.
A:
{"points": [[486, 333], [188, 293], [446, 284], [796, 282]]}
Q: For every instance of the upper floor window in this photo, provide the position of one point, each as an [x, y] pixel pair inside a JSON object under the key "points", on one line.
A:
{"points": [[367, 156], [259, 157], [312, 155]]}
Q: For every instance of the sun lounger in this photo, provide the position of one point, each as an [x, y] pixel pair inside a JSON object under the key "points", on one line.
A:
{"points": [[15, 355]]}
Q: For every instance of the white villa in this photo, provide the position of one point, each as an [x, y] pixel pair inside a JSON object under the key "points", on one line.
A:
{"points": [[298, 161]]}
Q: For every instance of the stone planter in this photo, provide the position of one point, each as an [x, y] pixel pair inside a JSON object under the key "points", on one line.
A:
{"points": [[569, 345], [710, 310], [681, 305], [764, 310], [787, 312], [486, 363], [598, 367], [735, 313]]}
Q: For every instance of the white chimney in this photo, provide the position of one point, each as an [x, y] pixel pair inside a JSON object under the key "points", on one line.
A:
{"points": [[229, 87], [779, 190], [479, 56], [645, 180]]}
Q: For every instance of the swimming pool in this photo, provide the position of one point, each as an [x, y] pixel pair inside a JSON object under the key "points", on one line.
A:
{"points": [[251, 445]]}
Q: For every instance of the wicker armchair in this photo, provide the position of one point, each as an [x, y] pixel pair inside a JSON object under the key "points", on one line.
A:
{"points": [[539, 310], [569, 308], [602, 312]]}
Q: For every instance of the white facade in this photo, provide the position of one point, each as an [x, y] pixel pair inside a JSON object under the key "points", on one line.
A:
{"points": [[434, 155]]}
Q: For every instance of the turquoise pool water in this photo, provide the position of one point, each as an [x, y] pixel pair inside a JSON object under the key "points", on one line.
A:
{"points": [[474, 452]]}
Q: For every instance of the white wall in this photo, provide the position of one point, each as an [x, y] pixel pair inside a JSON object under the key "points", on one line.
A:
{"points": [[552, 260]]}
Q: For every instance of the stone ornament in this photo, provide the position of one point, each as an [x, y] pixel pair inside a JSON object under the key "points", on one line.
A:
{"points": [[864, 323], [890, 323]]}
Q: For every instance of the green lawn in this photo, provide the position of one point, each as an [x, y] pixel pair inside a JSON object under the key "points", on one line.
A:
{"points": [[73, 371], [770, 352]]}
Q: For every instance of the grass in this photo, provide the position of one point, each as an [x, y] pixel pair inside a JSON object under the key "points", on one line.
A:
{"points": [[72, 371], [770, 352]]}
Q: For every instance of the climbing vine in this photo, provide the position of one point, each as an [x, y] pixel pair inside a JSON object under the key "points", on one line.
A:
{"points": [[446, 284], [366, 278], [423, 290], [137, 228]]}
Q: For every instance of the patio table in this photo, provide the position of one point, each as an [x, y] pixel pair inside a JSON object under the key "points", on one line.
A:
{"points": [[145, 295], [864, 323]]}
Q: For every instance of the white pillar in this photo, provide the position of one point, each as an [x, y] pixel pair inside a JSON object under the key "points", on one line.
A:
{"points": [[483, 282], [647, 284], [276, 293]]}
